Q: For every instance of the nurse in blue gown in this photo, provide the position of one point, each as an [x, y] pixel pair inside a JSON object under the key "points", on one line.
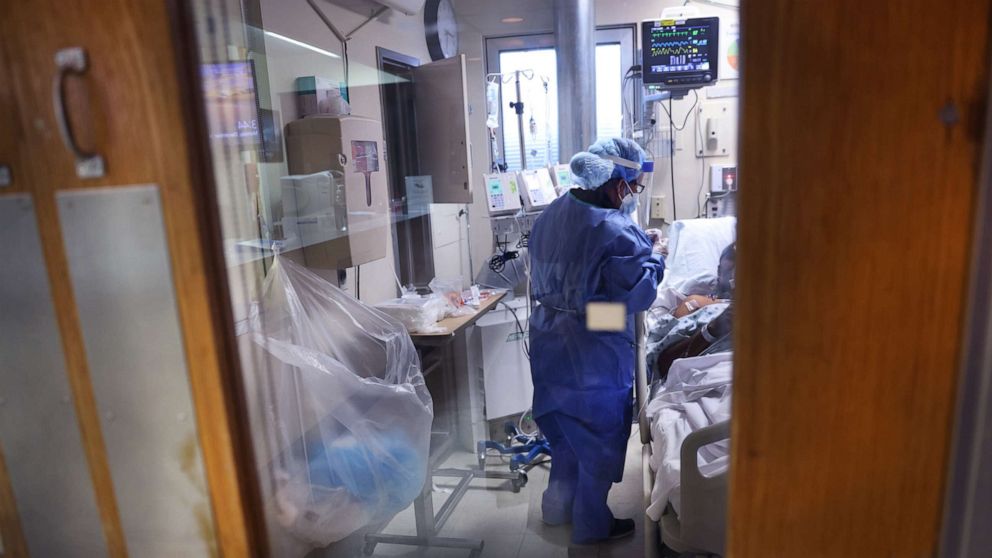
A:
{"points": [[586, 248]]}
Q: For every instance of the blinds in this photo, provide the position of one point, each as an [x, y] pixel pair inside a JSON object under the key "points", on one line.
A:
{"points": [[540, 106], [541, 103]]}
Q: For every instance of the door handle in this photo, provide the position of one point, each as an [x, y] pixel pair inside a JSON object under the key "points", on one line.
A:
{"points": [[73, 61]]}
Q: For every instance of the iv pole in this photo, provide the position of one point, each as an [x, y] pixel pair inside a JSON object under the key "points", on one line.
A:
{"points": [[517, 106]]}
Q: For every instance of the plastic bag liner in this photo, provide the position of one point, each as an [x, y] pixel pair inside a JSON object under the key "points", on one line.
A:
{"points": [[349, 413], [451, 290]]}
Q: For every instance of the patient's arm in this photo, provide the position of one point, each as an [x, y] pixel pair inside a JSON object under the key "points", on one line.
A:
{"points": [[691, 304]]}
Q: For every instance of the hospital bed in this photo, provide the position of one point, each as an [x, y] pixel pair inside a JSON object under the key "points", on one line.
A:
{"points": [[702, 524], [699, 527]]}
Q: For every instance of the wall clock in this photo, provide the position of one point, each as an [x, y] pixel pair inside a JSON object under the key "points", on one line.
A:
{"points": [[441, 28]]}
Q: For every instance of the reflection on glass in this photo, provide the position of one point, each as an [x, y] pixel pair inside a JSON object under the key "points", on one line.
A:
{"points": [[364, 188], [314, 209], [232, 84]]}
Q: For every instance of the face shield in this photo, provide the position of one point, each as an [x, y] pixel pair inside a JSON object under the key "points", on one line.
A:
{"points": [[643, 175]]}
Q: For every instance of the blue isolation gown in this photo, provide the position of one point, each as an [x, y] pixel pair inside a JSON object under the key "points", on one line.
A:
{"points": [[583, 380]]}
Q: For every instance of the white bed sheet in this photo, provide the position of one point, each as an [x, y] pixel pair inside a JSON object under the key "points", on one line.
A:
{"points": [[696, 394]]}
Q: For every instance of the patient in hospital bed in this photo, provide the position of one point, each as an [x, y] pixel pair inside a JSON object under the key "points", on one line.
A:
{"points": [[712, 336], [684, 321], [689, 352], [695, 247]]}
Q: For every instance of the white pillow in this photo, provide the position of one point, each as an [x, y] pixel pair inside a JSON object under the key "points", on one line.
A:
{"points": [[694, 248]]}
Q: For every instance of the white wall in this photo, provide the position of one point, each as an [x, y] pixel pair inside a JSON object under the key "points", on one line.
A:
{"points": [[480, 18]]}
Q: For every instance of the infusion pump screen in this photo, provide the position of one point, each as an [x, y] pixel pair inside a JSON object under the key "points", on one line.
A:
{"points": [[681, 52]]}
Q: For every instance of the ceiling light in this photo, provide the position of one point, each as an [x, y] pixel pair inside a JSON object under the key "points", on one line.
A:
{"points": [[512, 19], [301, 44]]}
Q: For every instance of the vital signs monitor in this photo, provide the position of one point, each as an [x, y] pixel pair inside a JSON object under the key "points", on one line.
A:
{"points": [[680, 53]]}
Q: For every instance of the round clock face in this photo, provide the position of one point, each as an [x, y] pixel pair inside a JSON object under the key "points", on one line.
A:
{"points": [[442, 29]]}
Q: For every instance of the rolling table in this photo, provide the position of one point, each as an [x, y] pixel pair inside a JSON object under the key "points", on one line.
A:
{"points": [[431, 347], [454, 326]]}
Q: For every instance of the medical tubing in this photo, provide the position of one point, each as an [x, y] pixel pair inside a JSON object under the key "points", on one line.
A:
{"points": [[468, 235], [702, 170], [530, 305], [672, 128], [705, 332], [688, 113], [625, 130], [520, 424], [671, 161], [520, 329]]}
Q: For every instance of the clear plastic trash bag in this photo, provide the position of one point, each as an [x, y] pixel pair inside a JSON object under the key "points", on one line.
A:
{"points": [[349, 415], [451, 290]]}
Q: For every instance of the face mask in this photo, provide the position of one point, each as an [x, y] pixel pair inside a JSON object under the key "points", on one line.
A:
{"points": [[629, 203]]}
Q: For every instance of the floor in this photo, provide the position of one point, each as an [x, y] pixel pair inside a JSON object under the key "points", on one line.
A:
{"points": [[510, 524]]}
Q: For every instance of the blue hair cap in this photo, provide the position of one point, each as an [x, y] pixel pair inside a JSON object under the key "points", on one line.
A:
{"points": [[594, 167]]}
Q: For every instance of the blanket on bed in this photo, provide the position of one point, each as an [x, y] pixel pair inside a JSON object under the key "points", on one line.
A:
{"points": [[696, 394]]}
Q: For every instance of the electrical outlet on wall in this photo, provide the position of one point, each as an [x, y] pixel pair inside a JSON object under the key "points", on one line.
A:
{"points": [[658, 207]]}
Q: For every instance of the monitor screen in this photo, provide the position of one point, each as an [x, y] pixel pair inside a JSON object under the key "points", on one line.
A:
{"points": [[232, 102], [681, 53]]}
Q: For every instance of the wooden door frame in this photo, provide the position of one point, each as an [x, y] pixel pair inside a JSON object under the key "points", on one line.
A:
{"points": [[253, 532], [968, 503], [861, 148], [214, 372]]}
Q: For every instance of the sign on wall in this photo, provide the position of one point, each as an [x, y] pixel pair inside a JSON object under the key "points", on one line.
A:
{"points": [[730, 47]]}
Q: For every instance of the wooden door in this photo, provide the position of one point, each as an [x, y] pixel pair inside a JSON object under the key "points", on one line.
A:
{"points": [[134, 105], [860, 143]]}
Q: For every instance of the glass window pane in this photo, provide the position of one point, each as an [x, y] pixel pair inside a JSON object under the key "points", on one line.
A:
{"points": [[541, 103], [609, 76], [320, 477], [539, 94]]}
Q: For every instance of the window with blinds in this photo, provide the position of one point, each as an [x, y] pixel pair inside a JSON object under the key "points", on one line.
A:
{"points": [[539, 93]]}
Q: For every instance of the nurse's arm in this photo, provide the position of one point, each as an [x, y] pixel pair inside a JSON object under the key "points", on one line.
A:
{"points": [[633, 279]]}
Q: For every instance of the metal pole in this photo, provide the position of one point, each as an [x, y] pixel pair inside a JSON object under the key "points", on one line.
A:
{"points": [[641, 375], [468, 233], [575, 38], [371, 18], [327, 21], [520, 124], [642, 393]]}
